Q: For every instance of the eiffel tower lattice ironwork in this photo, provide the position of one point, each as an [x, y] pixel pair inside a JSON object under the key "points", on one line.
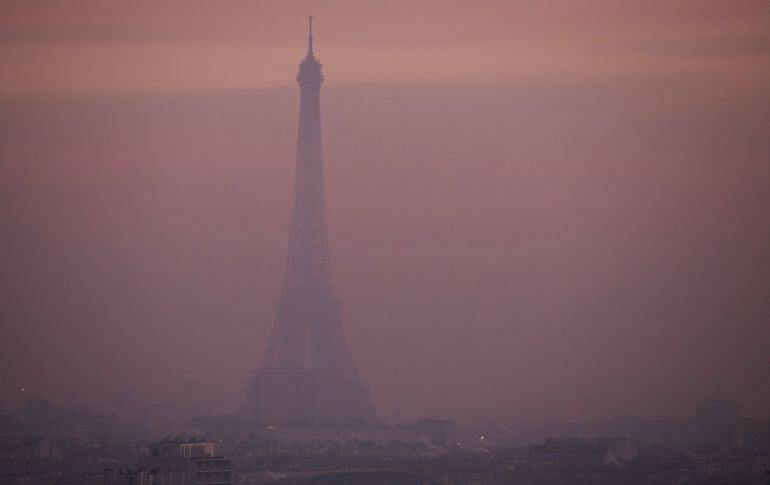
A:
{"points": [[307, 371]]}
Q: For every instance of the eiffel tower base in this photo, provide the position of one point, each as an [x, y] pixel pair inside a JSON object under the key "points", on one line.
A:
{"points": [[296, 396]]}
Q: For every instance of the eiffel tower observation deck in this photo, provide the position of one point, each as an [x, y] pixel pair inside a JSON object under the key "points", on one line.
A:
{"points": [[307, 372]]}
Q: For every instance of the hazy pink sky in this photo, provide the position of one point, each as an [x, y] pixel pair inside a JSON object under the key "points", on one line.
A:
{"points": [[536, 209]]}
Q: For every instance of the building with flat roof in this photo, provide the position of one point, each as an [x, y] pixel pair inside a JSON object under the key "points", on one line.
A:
{"points": [[185, 462]]}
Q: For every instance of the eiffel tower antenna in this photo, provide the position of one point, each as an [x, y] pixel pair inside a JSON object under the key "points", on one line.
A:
{"points": [[310, 36]]}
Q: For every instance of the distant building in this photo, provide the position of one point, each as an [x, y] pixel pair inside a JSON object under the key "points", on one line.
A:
{"points": [[623, 450], [717, 423], [755, 435], [185, 462], [645, 430], [441, 431], [572, 451], [28, 458]]}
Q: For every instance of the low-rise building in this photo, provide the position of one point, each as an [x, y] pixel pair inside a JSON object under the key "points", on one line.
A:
{"points": [[188, 462]]}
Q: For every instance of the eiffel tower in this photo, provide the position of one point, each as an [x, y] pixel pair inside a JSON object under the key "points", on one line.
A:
{"points": [[307, 373]]}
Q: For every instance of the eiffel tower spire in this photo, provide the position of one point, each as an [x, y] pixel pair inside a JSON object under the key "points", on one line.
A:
{"points": [[310, 36]]}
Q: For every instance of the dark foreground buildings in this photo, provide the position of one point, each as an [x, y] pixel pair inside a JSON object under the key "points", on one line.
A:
{"points": [[307, 374]]}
